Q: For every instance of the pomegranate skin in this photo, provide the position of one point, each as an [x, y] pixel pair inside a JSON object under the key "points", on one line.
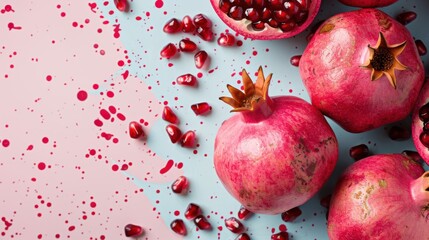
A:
{"points": [[279, 162], [417, 124], [332, 71], [368, 3], [380, 197], [268, 33]]}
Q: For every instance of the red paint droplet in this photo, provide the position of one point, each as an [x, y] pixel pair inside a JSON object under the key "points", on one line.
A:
{"points": [[48, 78], [41, 166], [93, 204], [98, 122], [82, 95], [110, 94], [5, 143], [167, 167], [159, 3], [121, 116], [115, 167], [71, 228], [45, 140], [105, 114]]}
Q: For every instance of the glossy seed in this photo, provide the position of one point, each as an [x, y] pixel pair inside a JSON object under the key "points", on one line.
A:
{"points": [[178, 226], [406, 17], [359, 151], [291, 215], [132, 230], [180, 185]]}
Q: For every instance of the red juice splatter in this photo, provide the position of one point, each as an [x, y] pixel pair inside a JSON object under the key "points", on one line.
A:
{"points": [[82, 95], [121, 116], [41, 166], [5, 143], [98, 122], [159, 3], [92, 6], [105, 114], [167, 166], [45, 140]]}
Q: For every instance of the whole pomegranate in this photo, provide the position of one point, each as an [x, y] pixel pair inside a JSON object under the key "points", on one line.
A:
{"points": [[368, 3], [275, 153], [362, 69], [267, 19], [420, 123], [381, 197]]}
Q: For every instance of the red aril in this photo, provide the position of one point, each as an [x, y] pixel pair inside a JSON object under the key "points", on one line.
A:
{"points": [[180, 185], [359, 151], [192, 211], [399, 133], [188, 139], [294, 60], [421, 47], [380, 197], [280, 236], [121, 5], [243, 236], [420, 123], [201, 20], [234, 225], [201, 108], [135, 129], [205, 34], [169, 51], [169, 116], [226, 40], [200, 59], [173, 132], [186, 45], [244, 213], [291, 215], [202, 223], [188, 25], [272, 19], [406, 17], [178, 226], [132, 230], [326, 200], [173, 26], [187, 80]]}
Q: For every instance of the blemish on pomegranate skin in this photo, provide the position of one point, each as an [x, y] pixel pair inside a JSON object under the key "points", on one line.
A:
{"points": [[167, 166], [82, 95]]}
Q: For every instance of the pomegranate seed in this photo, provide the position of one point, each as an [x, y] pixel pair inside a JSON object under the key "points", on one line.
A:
{"points": [[424, 139], [187, 25], [188, 139], [252, 14], [424, 113], [236, 13], [178, 226], [173, 26], [281, 16], [173, 132], [132, 230], [121, 5], [421, 47], [200, 59], [291, 215], [205, 34], [234, 225], [243, 236], [135, 129], [226, 40], [280, 236], [413, 155], [201, 108], [406, 17], [202, 223], [169, 116], [224, 5], [192, 211], [325, 201], [169, 51], [258, 26], [186, 45], [244, 213], [186, 79], [399, 133], [358, 152], [276, 4], [200, 20], [266, 14], [180, 185], [287, 26], [295, 60]]}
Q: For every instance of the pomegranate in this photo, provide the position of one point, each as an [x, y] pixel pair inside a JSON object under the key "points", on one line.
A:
{"points": [[368, 3], [362, 77], [381, 197], [420, 123], [267, 19], [275, 153]]}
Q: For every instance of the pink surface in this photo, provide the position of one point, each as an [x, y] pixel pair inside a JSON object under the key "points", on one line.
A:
{"points": [[65, 107]]}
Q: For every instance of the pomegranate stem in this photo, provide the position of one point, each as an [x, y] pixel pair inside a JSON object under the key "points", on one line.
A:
{"points": [[420, 190]]}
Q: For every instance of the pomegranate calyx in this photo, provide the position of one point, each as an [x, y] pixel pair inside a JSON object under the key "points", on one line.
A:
{"points": [[420, 191], [254, 95], [383, 59]]}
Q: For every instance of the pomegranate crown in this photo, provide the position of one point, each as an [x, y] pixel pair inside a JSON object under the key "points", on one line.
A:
{"points": [[254, 94], [383, 59]]}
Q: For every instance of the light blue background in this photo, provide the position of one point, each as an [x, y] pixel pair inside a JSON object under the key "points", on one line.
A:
{"points": [[144, 47]]}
